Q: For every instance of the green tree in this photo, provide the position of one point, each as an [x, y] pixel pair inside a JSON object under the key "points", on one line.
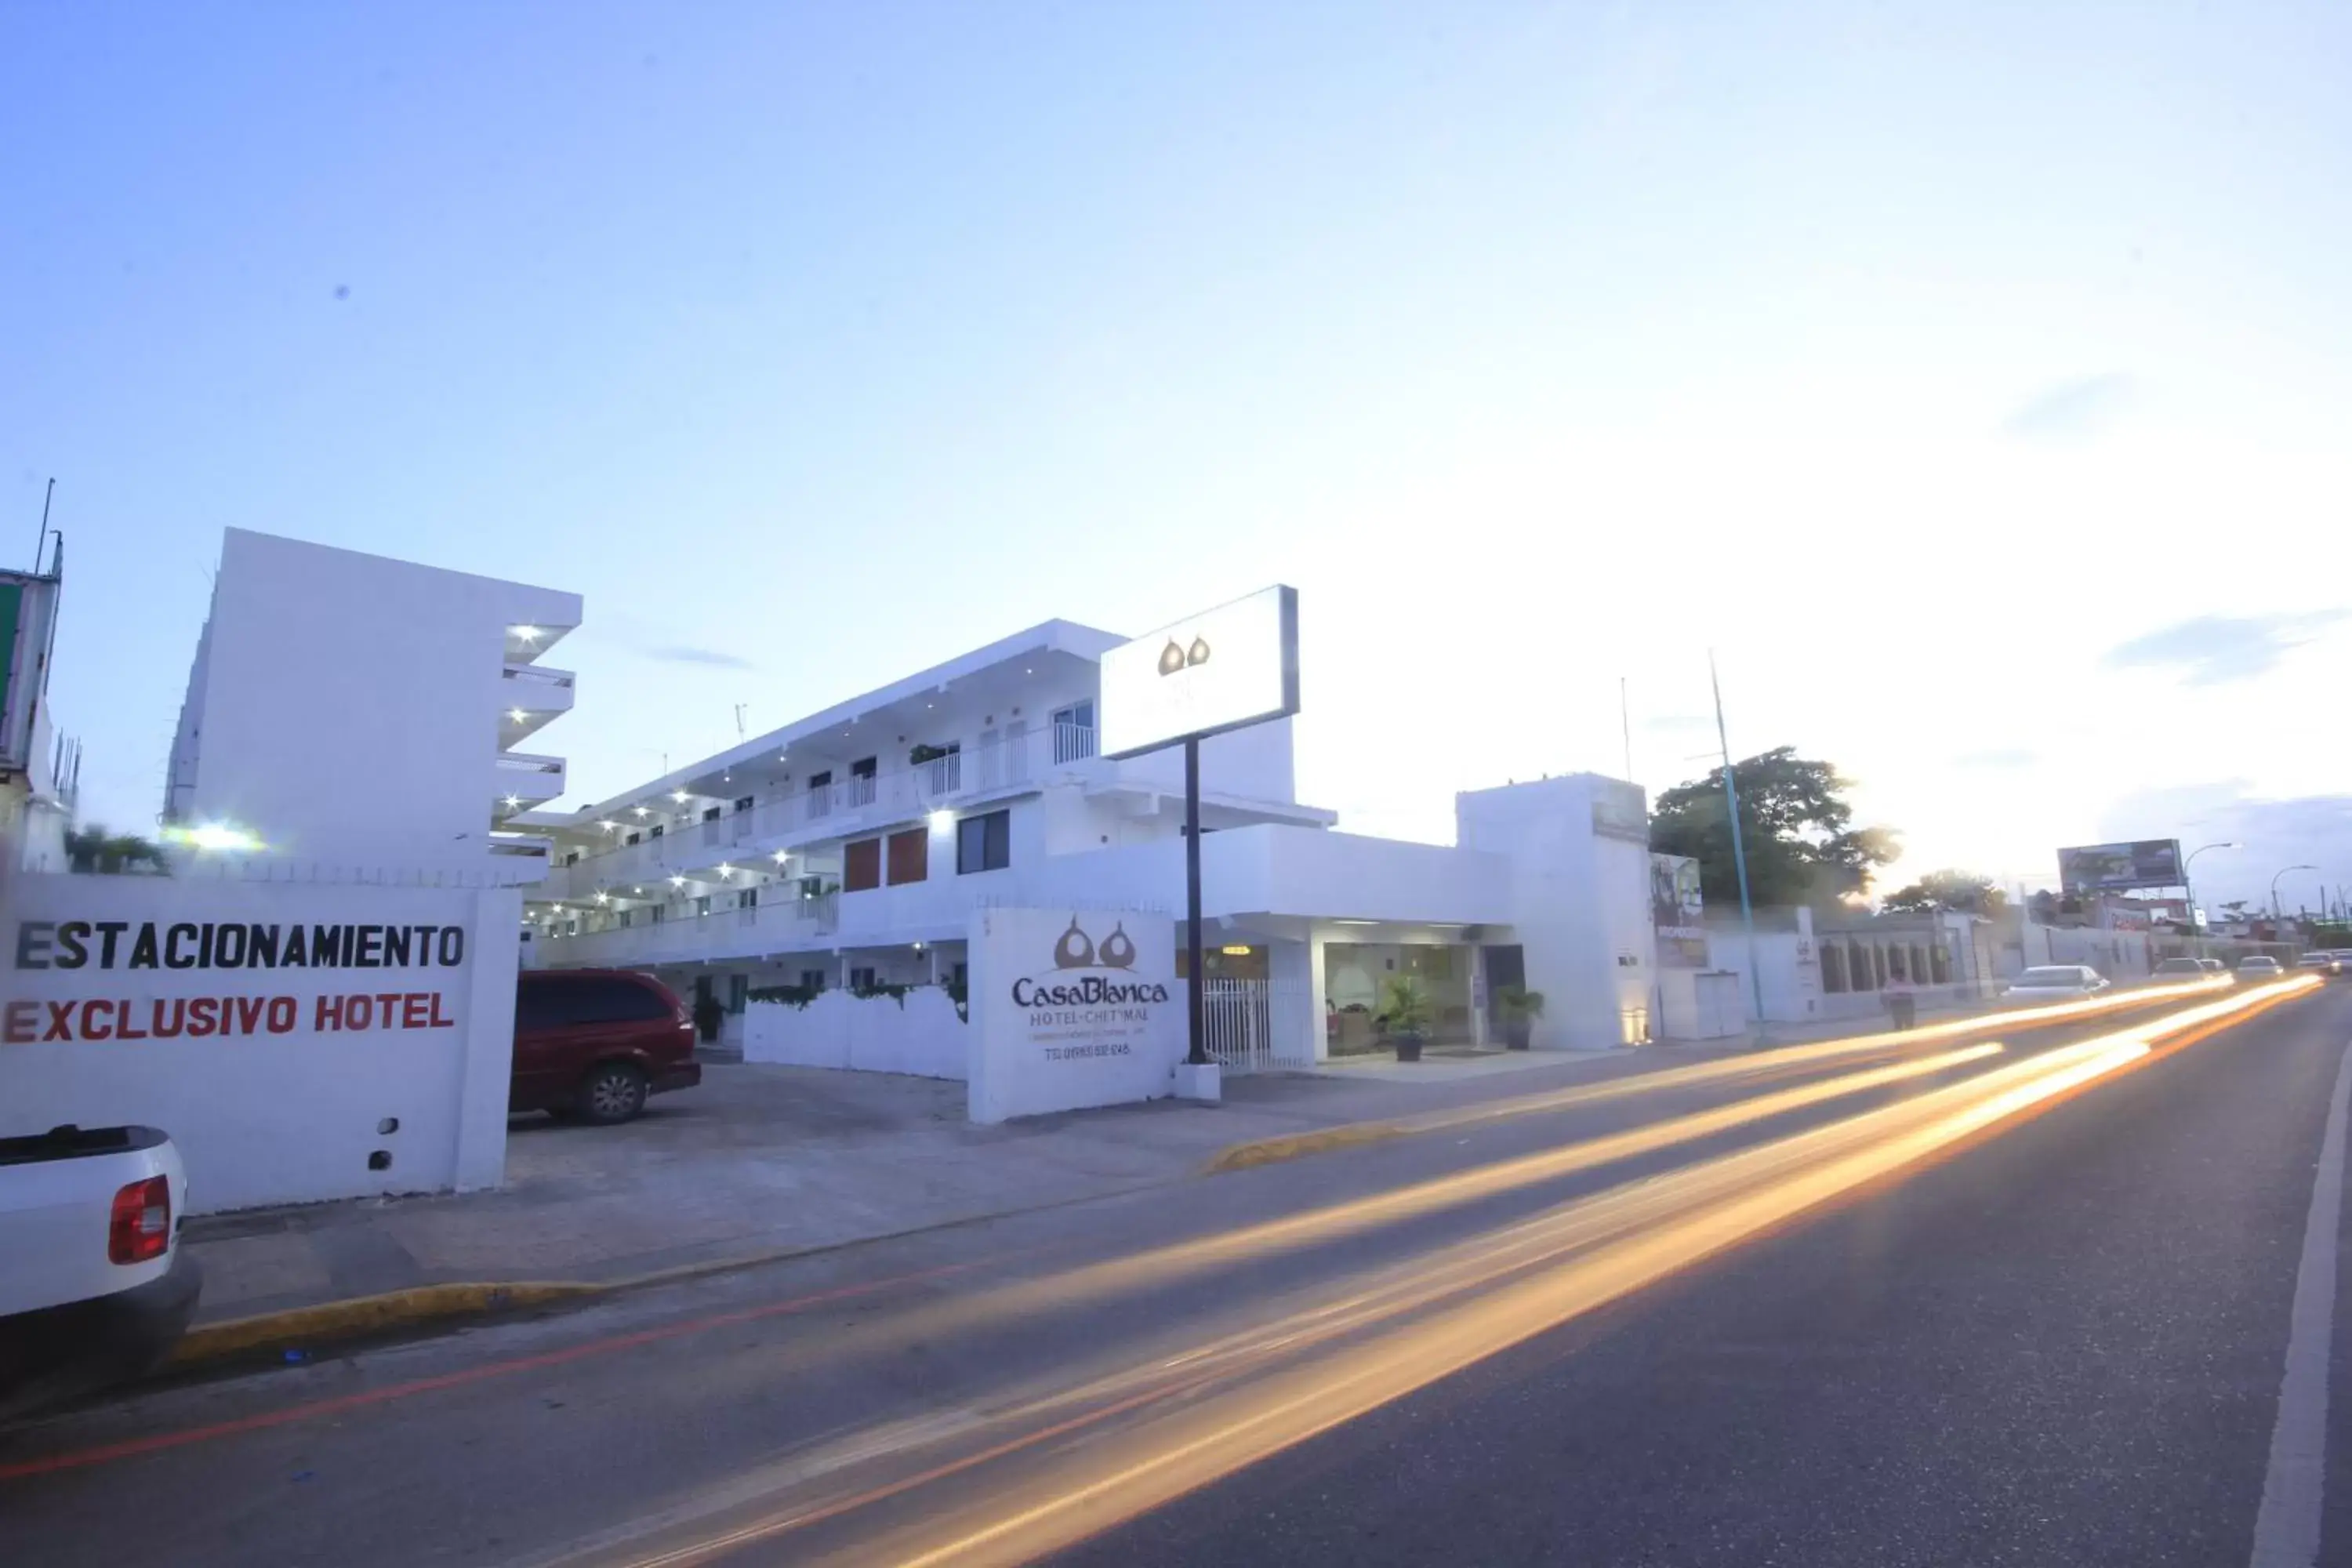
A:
{"points": [[1795, 826], [93, 848], [1963, 893]]}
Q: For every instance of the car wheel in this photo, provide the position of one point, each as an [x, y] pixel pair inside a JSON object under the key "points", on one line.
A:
{"points": [[613, 1091]]}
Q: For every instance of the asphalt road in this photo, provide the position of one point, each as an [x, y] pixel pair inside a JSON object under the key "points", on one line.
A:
{"points": [[1941, 1303]]}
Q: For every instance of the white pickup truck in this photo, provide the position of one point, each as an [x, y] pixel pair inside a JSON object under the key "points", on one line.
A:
{"points": [[94, 1286]]}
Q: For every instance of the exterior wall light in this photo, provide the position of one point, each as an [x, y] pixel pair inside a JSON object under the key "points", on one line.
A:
{"points": [[517, 714], [941, 821], [219, 836]]}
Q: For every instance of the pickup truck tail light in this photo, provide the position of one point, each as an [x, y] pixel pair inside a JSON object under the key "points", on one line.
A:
{"points": [[141, 1225]]}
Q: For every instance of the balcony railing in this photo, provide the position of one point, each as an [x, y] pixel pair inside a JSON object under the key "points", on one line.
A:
{"points": [[535, 690], [840, 807], [524, 777], [777, 926]]}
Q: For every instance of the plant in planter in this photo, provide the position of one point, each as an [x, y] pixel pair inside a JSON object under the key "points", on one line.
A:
{"points": [[925, 754], [1520, 1008], [1405, 1015], [709, 1017]]}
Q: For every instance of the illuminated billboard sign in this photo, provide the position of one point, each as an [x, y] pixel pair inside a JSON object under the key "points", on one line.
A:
{"points": [[2120, 867], [1221, 669]]}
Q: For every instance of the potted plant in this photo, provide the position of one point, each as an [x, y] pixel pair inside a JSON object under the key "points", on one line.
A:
{"points": [[709, 1017], [1405, 1015], [1520, 1008]]}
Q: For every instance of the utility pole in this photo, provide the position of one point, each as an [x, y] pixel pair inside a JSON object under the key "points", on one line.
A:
{"points": [[2195, 927], [2274, 897], [1739, 849], [1625, 718]]}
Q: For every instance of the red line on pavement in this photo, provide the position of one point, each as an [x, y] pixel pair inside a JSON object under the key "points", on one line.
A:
{"points": [[131, 1448]]}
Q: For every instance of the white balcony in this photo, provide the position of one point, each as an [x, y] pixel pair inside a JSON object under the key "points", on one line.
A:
{"points": [[519, 780], [529, 696], [786, 925]]}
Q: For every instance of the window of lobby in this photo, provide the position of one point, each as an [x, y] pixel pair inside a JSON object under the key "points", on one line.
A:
{"points": [[1356, 974]]}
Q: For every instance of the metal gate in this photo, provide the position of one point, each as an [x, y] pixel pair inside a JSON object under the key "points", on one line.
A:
{"points": [[1239, 1019]]}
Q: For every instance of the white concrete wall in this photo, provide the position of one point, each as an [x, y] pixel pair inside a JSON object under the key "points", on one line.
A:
{"points": [[869, 1034], [278, 1110], [1255, 763], [345, 707], [1578, 898], [1793, 992]]}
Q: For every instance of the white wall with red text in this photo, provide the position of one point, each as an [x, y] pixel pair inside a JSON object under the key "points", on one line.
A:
{"points": [[283, 1082]]}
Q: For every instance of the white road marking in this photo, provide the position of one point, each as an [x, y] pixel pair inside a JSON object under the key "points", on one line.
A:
{"points": [[2286, 1531]]}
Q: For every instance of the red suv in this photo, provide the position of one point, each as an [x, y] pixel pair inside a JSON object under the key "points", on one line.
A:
{"points": [[590, 1044]]}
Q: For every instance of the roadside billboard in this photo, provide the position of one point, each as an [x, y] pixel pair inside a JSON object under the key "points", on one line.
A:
{"points": [[27, 608], [1677, 912], [2120, 867], [1221, 669]]}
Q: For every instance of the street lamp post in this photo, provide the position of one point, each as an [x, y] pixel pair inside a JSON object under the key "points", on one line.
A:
{"points": [[2195, 927], [2274, 903]]}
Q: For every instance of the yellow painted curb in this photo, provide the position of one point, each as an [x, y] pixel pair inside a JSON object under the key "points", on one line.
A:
{"points": [[360, 1315], [1292, 1146]]}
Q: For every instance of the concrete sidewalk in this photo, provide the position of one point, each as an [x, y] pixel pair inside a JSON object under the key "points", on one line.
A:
{"points": [[764, 1160]]}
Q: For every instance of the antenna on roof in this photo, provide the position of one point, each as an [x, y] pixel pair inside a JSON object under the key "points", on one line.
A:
{"points": [[43, 541], [739, 718]]}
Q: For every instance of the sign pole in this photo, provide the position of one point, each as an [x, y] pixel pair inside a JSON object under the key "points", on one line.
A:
{"points": [[1196, 1003]]}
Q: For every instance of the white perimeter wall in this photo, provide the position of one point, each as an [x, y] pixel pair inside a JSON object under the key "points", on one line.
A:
{"points": [[870, 1034], [267, 1117]]}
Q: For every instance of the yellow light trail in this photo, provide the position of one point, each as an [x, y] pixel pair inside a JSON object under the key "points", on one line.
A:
{"points": [[1300, 1372], [1724, 1201], [1775, 1062]]}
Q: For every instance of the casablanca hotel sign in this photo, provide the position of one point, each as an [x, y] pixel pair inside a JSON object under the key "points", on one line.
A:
{"points": [[1064, 1000], [1072, 1008]]}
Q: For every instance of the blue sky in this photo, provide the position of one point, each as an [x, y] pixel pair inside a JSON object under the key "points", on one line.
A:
{"points": [[1974, 379]]}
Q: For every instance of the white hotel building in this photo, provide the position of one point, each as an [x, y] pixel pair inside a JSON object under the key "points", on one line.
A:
{"points": [[849, 850], [354, 717]]}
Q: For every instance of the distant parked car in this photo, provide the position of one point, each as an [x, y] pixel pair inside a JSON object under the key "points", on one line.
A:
{"points": [[2215, 966], [2258, 967], [2321, 961], [590, 1044], [2055, 983], [2180, 971]]}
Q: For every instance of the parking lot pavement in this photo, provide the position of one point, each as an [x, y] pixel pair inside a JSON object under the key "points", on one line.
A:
{"points": [[761, 1160]]}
